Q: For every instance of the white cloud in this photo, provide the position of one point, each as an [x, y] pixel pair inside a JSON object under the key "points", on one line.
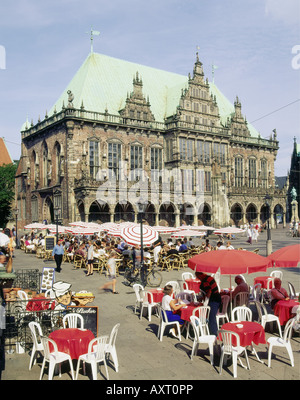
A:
{"points": [[287, 11]]}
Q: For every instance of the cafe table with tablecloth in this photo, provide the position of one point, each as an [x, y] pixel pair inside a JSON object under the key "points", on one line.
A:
{"points": [[186, 312], [73, 341], [283, 310], [263, 280], [157, 295], [250, 332], [193, 284]]}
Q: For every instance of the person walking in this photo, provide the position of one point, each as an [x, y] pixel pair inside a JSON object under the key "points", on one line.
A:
{"points": [[111, 263], [57, 254], [90, 258]]}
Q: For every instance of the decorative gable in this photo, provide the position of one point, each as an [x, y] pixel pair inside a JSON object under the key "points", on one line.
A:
{"points": [[237, 123], [137, 107]]}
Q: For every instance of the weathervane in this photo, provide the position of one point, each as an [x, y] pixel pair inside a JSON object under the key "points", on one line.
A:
{"points": [[93, 33]]}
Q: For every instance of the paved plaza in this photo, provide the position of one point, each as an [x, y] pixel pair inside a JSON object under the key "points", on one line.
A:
{"points": [[141, 355]]}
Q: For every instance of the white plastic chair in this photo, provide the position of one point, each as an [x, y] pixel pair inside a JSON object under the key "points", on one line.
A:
{"points": [[36, 334], [95, 355], [200, 337], [264, 317], [71, 321], [164, 323], [53, 358], [241, 299], [143, 302], [285, 341], [266, 292], [292, 292], [110, 347], [255, 293], [233, 351], [277, 274], [241, 314], [187, 275], [223, 314], [202, 313]]}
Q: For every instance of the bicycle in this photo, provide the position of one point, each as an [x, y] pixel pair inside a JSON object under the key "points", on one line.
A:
{"points": [[135, 274]]}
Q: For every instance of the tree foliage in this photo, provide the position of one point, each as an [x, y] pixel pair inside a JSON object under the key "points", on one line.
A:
{"points": [[7, 191]]}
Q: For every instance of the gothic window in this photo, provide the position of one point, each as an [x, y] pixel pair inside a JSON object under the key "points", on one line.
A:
{"points": [[45, 166], [94, 158], [34, 209], [114, 157], [252, 172], [57, 162], [219, 152], [187, 180], [207, 181], [136, 160], [264, 173], [238, 172], [186, 149], [169, 149], [203, 151], [156, 163]]}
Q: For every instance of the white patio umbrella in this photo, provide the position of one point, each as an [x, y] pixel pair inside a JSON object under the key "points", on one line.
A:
{"points": [[132, 235], [165, 229], [4, 239], [228, 230]]}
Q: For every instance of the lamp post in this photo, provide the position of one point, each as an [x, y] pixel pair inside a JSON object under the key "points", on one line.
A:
{"points": [[268, 199], [16, 211], [56, 213], [141, 211]]}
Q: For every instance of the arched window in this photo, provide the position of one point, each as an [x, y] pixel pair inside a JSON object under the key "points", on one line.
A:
{"points": [[58, 162], [45, 166]]}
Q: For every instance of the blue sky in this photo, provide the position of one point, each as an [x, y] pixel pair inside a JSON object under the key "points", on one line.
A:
{"points": [[251, 42]]}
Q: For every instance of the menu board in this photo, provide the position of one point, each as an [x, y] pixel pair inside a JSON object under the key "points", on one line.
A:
{"points": [[47, 278], [50, 242], [90, 317]]}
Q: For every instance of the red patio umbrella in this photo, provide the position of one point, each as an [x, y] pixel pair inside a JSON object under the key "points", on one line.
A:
{"points": [[288, 256], [229, 262]]}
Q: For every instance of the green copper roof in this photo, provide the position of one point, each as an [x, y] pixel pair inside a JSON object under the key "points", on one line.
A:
{"points": [[103, 82]]}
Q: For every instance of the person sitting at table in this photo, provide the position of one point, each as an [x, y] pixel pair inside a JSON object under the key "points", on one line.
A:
{"points": [[241, 286], [278, 293], [220, 246], [229, 246], [169, 305], [183, 247], [211, 290], [207, 245], [172, 250]]}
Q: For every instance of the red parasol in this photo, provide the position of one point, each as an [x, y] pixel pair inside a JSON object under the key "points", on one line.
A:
{"points": [[288, 256], [229, 262]]}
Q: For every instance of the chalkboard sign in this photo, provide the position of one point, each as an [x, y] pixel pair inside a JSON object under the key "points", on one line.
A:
{"points": [[50, 242], [90, 317]]}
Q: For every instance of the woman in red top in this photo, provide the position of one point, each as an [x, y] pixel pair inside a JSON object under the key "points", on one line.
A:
{"points": [[278, 293]]}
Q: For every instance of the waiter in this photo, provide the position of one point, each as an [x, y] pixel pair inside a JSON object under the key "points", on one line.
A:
{"points": [[57, 254], [210, 287]]}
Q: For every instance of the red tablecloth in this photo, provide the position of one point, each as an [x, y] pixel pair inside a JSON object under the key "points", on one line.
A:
{"points": [[193, 284], [39, 303], [263, 281], [72, 341], [157, 295], [186, 312], [283, 310], [251, 332]]}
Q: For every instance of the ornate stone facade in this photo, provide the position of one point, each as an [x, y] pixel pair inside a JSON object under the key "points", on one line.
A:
{"points": [[196, 164]]}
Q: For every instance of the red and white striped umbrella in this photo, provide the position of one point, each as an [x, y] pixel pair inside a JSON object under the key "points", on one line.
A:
{"points": [[35, 225], [77, 223], [132, 235], [61, 229], [189, 233], [81, 230], [165, 229]]}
